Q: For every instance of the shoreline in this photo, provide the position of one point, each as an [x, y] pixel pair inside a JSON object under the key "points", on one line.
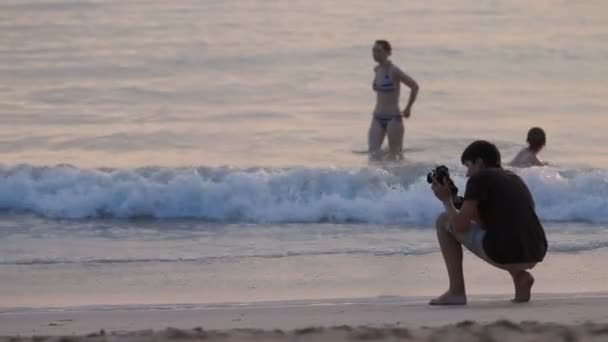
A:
{"points": [[390, 300], [410, 312]]}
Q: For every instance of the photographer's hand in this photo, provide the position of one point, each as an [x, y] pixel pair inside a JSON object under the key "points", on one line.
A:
{"points": [[442, 191]]}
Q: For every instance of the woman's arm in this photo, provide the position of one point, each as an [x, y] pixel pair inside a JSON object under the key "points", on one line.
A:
{"points": [[413, 85]]}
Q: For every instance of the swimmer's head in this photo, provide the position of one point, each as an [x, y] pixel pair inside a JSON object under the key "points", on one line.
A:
{"points": [[381, 50], [536, 138]]}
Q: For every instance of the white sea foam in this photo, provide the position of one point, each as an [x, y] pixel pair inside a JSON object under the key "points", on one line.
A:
{"points": [[368, 195]]}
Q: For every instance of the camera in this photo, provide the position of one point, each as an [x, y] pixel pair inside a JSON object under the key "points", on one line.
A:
{"points": [[442, 174]]}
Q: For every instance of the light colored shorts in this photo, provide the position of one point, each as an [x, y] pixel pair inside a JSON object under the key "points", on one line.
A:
{"points": [[473, 241]]}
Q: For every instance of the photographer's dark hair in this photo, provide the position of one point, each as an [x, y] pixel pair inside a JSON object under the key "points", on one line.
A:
{"points": [[536, 138], [484, 150], [385, 45]]}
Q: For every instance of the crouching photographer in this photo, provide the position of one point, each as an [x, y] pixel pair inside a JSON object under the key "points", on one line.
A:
{"points": [[496, 221]]}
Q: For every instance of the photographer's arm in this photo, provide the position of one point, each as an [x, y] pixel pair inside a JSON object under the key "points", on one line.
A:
{"points": [[461, 219]]}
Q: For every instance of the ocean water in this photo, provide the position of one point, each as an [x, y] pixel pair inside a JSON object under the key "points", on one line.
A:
{"points": [[203, 151]]}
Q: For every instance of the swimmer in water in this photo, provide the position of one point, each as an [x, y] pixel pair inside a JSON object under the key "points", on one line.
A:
{"points": [[528, 156]]}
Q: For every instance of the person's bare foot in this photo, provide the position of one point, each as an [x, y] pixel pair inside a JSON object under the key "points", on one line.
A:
{"points": [[523, 287], [449, 299]]}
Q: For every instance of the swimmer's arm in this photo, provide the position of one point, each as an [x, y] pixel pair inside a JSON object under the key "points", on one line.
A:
{"points": [[518, 160], [461, 219], [515, 161], [537, 162]]}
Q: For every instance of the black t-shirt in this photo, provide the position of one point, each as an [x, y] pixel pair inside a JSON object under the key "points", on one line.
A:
{"points": [[506, 210]]}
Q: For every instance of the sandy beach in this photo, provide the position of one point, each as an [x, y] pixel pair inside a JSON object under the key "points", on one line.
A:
{"points": [[581, 317], [579, 312]]}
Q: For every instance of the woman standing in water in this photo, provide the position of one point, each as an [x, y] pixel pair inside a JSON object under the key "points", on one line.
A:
{"points": [[388, 118]]}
